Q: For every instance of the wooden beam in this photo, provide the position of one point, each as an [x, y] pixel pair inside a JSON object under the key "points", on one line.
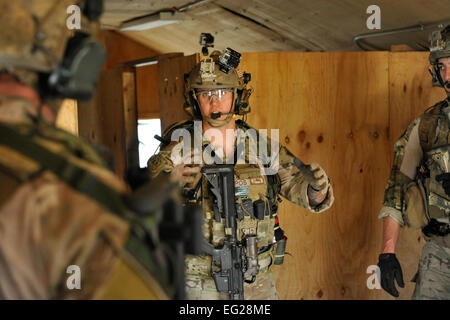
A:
{"points": [[67, 118], [401, 48]]}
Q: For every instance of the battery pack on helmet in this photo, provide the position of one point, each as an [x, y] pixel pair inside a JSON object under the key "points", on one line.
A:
{"points": [[230, 59]]}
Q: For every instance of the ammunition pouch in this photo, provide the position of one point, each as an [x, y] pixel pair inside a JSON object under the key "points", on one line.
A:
{"points": [[265, 260], [199, 266]]}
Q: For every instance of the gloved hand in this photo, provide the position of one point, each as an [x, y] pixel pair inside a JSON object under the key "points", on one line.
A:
{"points": [[444, 178], [315, 176], [390, 269], [186, 175]]}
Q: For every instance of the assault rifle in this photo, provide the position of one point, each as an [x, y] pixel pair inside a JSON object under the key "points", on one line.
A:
{"points": [[228, 262]]}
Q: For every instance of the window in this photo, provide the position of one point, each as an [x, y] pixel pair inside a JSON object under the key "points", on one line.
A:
{"points": [[147, 143]]}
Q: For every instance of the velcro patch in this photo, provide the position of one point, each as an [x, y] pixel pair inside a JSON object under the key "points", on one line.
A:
{"points": [[258, 180], [241, 182], [242, 192]]}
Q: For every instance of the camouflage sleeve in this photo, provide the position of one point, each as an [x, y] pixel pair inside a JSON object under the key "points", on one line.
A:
{"points": [[160, 162], [170, 154], [407, 156], [163, 161], [294, 187], [45, 228]]}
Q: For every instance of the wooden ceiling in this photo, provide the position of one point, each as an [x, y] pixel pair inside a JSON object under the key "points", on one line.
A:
{"points": [[281, 25]]}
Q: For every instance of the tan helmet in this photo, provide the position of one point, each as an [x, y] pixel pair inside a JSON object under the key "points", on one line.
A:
{"points": [[32, 37], [439, 48], [36, 43], [210, 73]]}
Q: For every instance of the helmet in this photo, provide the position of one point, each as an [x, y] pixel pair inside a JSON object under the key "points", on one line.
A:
{"points": [[439, 48], [37, 46], [217, 71]]}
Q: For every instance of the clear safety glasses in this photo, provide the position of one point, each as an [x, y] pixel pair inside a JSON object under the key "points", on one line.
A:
{"points": [[209, 94]]}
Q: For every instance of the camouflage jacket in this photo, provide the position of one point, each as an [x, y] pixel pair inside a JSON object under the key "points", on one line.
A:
{"points": [[423, 146], [279, 164], [48, 228]]}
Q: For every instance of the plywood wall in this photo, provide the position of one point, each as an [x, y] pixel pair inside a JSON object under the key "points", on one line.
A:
{"points": [[147, 91], [122, 49], [171, 70], [344, 111]]}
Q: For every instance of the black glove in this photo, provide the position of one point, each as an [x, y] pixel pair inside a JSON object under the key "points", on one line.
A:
{"points": [[390, 269], [444, 178]]}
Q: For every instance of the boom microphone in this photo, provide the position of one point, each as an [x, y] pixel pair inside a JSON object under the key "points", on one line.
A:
{"points": [[216, 115]]}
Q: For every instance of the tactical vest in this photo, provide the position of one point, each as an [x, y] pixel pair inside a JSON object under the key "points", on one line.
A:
{"points": [[256, 198], [435, 142]]}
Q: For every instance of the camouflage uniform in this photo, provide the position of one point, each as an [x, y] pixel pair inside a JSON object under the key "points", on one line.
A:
{"points": [[250, 183], [59, 204], [423, 150], [49, 221]]}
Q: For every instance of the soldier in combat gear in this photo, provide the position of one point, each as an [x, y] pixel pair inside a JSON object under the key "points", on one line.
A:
{"points": [[215, 94], [60, 206], [418, 191]]}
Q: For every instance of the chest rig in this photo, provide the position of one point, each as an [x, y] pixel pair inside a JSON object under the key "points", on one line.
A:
{"points": [[254, 220], [254, 215], [435, 142], [257, 227]]}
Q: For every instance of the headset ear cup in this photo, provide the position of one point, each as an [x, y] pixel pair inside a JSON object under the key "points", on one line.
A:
{"points": [[193, 104], [238, 102], [196, 109], [436, 76], [77, 75], [190, 100]]}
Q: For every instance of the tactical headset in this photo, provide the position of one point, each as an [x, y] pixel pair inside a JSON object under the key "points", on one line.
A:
{"points": [[76, 75]]}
